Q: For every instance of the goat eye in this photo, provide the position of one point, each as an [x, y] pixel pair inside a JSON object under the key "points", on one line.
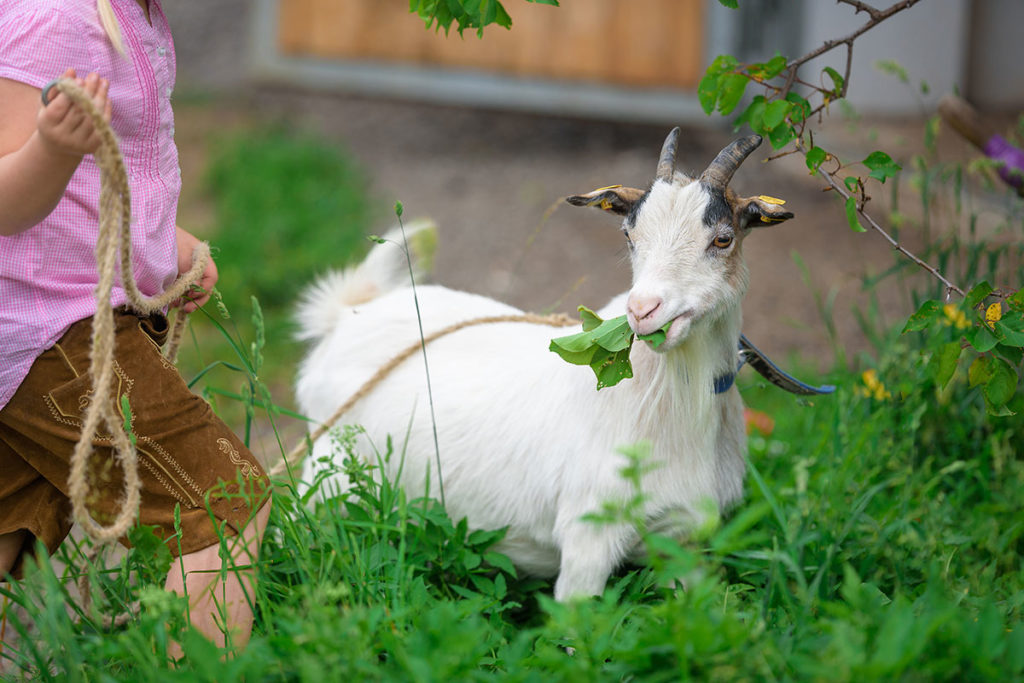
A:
{"points": [[722, 241]]}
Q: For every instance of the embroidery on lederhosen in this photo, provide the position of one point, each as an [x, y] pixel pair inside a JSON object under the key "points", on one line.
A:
{"points": [[247, 469], [178, 486]]}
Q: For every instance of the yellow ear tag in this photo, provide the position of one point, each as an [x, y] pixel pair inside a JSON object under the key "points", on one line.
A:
{"points": [[606, 204], [771, 200]]}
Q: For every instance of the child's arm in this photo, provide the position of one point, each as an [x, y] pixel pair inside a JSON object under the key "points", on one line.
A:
{"points": [[186, 244], [40, 148]]}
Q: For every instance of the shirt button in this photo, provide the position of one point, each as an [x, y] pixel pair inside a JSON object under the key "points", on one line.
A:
{"points": [[167, 91], [161, 50]]}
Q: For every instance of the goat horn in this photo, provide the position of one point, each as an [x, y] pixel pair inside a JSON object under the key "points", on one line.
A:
{"points": [[667, 162], [719, 173]]}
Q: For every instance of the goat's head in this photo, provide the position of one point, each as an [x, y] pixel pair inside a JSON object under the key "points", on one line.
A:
{"points": [[684, 238]]}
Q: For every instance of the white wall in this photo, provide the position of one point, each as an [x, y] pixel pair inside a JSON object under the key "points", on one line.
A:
{"points": [[930, 41]]}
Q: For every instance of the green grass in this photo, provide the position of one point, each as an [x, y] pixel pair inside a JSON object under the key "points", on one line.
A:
{"points": [[879, 540], [287, 207]]}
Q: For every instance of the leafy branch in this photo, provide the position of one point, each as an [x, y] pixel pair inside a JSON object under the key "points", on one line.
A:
{"points": [[995, 330], [782, 115], [465, 14]]}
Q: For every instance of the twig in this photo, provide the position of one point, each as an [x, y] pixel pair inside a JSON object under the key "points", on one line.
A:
{"points": [[877, 17], [950, 287], [861, 7]]}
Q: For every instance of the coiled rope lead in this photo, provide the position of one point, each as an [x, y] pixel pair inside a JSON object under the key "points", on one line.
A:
{"points": [[114, 238]]}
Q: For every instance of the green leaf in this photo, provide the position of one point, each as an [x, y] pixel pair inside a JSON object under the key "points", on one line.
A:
{"points": [[1001, 384], [851, 182], [981, 338], [501, 562], [707, 93], [1016, 301], [980, 371], [731, 87], [837, 80], [926, 314], [775, 113], [590, 319], [815, 156], [604, 345], [881, 165], [1013, 354], [710, 87], [944, 362], [731, 4], [893, 68], [656, 338], [612, 368], [1009, 334], [501, 18], [564, 347], [774, 66], [851, 215], [801, 107], [781, 135], [151, 547], [614, 334], [753, 115], [977, 294]]}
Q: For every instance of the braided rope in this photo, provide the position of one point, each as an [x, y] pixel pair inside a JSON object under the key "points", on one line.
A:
{"points": [[114, 239], [296, 455]]}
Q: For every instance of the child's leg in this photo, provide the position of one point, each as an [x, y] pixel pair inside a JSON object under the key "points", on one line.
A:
{"points": [[221, 596], [201, 486]]}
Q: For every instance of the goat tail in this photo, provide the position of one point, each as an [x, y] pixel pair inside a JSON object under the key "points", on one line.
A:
{"points": [[384, 269]]}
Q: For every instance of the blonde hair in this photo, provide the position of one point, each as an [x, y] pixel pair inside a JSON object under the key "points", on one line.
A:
{"points": [[110, 25]]}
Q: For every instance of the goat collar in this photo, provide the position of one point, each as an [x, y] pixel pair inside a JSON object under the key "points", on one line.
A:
{"points": [[724, 382]]}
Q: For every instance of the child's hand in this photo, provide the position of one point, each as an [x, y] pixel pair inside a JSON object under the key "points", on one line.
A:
{"points": [[64, 128], [193, 300]]}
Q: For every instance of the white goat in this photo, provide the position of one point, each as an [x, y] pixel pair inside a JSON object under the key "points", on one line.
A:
{"points": [[525, 439]]}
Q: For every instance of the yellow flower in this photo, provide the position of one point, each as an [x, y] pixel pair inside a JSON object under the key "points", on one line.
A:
{"points": [[993, 314], [873, 387], [955, 317]]}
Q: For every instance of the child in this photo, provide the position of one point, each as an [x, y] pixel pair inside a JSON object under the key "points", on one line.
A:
{"points": [[49, 190]]}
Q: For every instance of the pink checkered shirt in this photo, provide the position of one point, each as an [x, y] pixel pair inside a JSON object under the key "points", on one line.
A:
{"points": [[48, 273]]}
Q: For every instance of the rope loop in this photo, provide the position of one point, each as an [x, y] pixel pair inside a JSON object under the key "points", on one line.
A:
{"points": [[114, 239]]}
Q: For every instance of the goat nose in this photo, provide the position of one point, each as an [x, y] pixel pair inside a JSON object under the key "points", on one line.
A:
{"points": [[642, 307]]}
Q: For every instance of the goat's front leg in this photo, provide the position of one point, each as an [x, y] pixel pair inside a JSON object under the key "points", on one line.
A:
{"points": [[590, 553]]}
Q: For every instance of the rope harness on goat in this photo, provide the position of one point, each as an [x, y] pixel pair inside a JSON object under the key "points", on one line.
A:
{"points": [[295, 456], [113, 240]]}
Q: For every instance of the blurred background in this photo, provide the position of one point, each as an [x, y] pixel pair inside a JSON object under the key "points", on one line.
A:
{"points": [[301, 122]]}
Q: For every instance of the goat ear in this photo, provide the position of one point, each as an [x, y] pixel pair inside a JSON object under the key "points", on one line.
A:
{"points": [[617, 199], [757, 212]]}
